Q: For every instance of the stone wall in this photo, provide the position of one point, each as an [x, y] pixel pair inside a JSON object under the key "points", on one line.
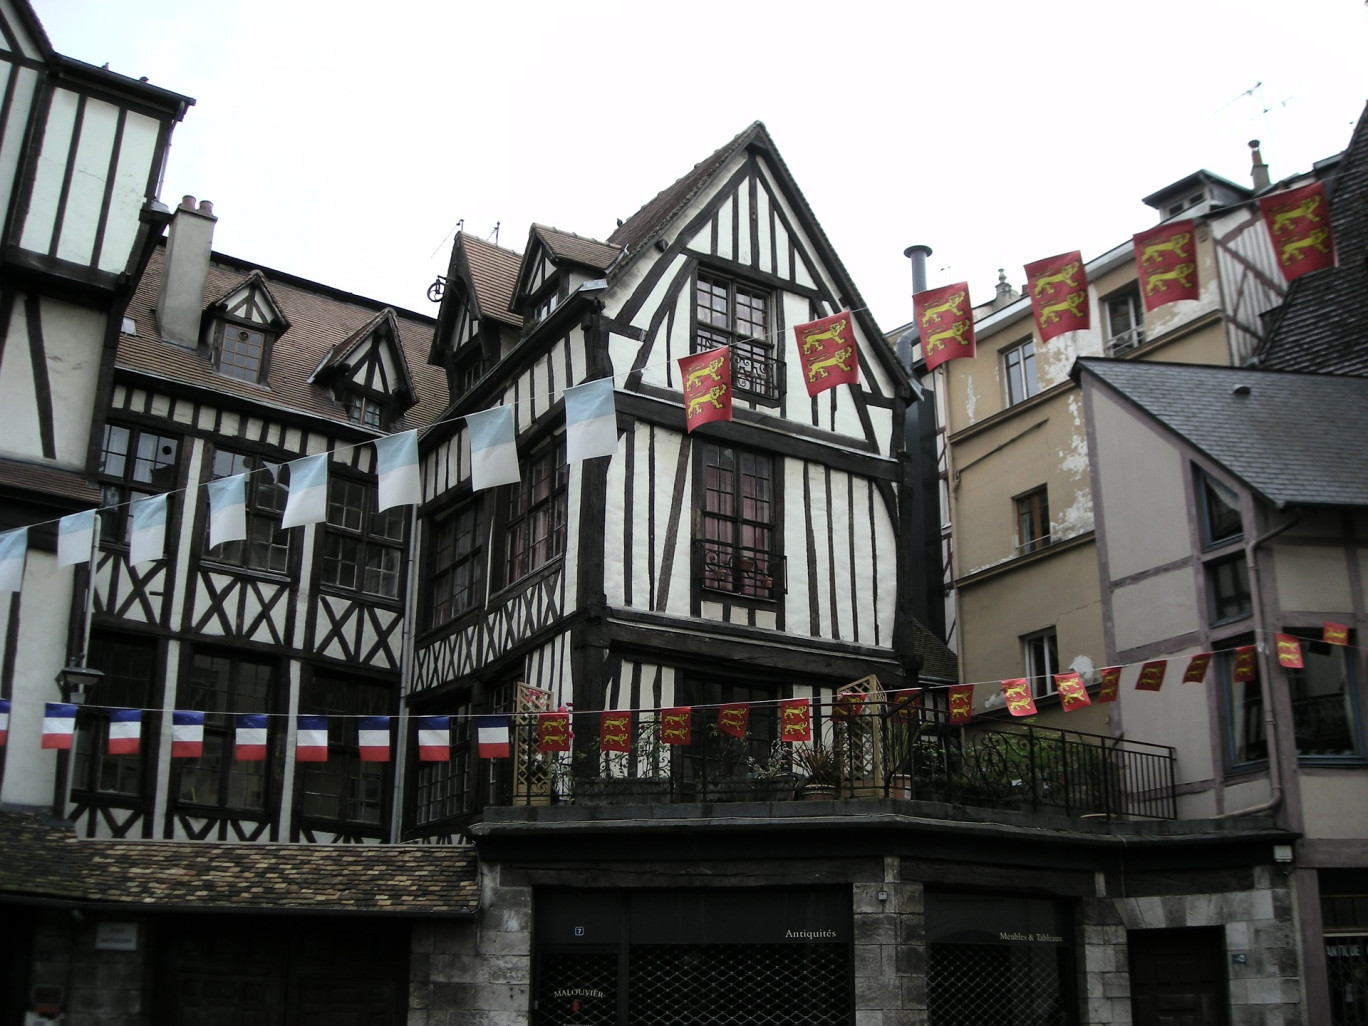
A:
{"points": [[890, 951], [92, 987]]}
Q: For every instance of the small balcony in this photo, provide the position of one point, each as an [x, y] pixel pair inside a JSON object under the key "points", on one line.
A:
{"points": [[740, 570], [881, 752], [1123, 342]]}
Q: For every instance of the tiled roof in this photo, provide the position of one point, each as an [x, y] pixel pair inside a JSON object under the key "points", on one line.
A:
{"points": [[44, 860], [1323, 324], [639, 229], [568, 246], [1295, 439], [320, 318], [494, 273], [19, 476]]}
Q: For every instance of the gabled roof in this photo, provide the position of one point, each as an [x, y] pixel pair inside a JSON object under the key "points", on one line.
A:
{"points": [[45, 861], [1323, 322], [319, 318], [575, 248], [342, 353], [255, 281], [1293, 439], [639, 230], [494, 276]]}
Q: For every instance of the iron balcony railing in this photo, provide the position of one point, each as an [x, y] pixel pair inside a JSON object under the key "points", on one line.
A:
{"points": [[880, 752]]}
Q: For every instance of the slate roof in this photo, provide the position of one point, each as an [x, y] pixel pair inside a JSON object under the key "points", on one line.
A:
{"points": [[569, 246], [45, 861], [1294, 439], [320, 319], [494, 273], [1323, 323]]}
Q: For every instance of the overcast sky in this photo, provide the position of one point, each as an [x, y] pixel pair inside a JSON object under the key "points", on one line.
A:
{"points": [[343, 142]]}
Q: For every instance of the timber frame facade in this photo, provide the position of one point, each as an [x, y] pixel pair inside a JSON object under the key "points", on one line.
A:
{"points": [[758, 556]]}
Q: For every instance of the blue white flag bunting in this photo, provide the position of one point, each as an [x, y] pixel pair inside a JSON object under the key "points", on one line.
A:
{"points": [[13, 546], [493, 448], [147, 540], [396, 470], [227, 509], [590, 420], [75, 536], [308, 499]]}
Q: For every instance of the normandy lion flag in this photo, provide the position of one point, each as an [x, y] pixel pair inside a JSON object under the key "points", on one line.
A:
{"points": [[707, 387], [1166, 263], [827, 353], [945, 323], [1298, 222], [1058, 287]]}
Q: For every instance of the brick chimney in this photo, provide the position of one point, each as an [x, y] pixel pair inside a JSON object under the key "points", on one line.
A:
{"points": [[180, 302]]}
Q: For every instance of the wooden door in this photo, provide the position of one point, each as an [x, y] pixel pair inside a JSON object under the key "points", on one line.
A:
{"points": [[1178, 977]]}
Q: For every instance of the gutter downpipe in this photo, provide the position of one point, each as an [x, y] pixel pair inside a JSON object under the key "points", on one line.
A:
{"points": [[1265, 681]]}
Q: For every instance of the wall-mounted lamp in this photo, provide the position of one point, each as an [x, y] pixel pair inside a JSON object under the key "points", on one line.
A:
{"points": [[77, 682], [1282, 855]]}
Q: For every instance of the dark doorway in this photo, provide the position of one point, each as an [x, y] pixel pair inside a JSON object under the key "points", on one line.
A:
{"points": [[1178, 977], [266, 971]]}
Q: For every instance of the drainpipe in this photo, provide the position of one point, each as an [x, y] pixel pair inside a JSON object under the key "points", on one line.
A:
{"points": [[1265, 679]]}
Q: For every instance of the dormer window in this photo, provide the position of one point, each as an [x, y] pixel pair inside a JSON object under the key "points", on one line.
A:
{"points": [[366, 410], [241, 352]]}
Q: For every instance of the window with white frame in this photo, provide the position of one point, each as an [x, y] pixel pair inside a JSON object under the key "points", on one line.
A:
{"points": [[1041, 654], [1124, 318], [1019, 371]]}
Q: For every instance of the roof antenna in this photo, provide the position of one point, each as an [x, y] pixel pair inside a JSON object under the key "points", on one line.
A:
{"points": [[460, 226], [495, 233]]}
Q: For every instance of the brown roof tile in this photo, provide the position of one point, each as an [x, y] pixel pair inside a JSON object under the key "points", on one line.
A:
{"points": [[44, 860], [33, 478], [569, 246], [494, 273], [320, 319]]}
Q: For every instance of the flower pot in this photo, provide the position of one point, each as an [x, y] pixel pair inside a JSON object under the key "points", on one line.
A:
{"points": [[817, 792]]}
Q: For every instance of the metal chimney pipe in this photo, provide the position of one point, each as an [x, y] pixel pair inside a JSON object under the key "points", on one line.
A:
{"points": [[1259, 171], [918, 254]]}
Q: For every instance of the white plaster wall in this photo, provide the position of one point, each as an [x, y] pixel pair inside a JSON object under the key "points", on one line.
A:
{"points": [[1142, 493], [45, 606], [1312, 578], [1154, 609], [1333, 803]]}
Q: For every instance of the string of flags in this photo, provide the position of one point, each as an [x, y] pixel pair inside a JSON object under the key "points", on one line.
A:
{"points": [[617, 727], [827, 354], [1298, 226]]}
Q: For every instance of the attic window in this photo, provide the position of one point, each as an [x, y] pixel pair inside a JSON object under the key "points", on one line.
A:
{"points": [[129, 327], [365, 410], [241, 351]]}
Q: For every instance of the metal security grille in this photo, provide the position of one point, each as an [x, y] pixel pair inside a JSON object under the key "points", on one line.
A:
{"points": [[577, 988], [1346, 964], [994, 985], [739, 985]]}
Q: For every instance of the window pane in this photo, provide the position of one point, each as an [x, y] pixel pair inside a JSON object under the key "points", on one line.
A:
{"points": [[1221, 508], [1244, 707], [1228, 585], [1324, 716]]}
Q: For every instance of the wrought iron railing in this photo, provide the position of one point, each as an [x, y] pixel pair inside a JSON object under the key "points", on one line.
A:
{"points": [[741, 569], [882, 751]]}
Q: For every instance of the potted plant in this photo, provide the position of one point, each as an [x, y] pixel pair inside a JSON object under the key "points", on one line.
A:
{"points": [[822, 768]]}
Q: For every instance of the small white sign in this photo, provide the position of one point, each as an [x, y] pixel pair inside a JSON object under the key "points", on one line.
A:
{"points": [[116, 937]]}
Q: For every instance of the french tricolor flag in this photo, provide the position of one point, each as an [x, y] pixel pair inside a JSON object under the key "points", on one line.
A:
{"points": [[491, 737], [434, 738], [249, 737], [187, 735], [373, 738], [4, 720], [125, 731], [311, 739], [59, 723]]}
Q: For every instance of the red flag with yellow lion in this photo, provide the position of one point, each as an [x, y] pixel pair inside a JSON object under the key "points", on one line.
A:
{"points": [[826, 352], [945, 323]]}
